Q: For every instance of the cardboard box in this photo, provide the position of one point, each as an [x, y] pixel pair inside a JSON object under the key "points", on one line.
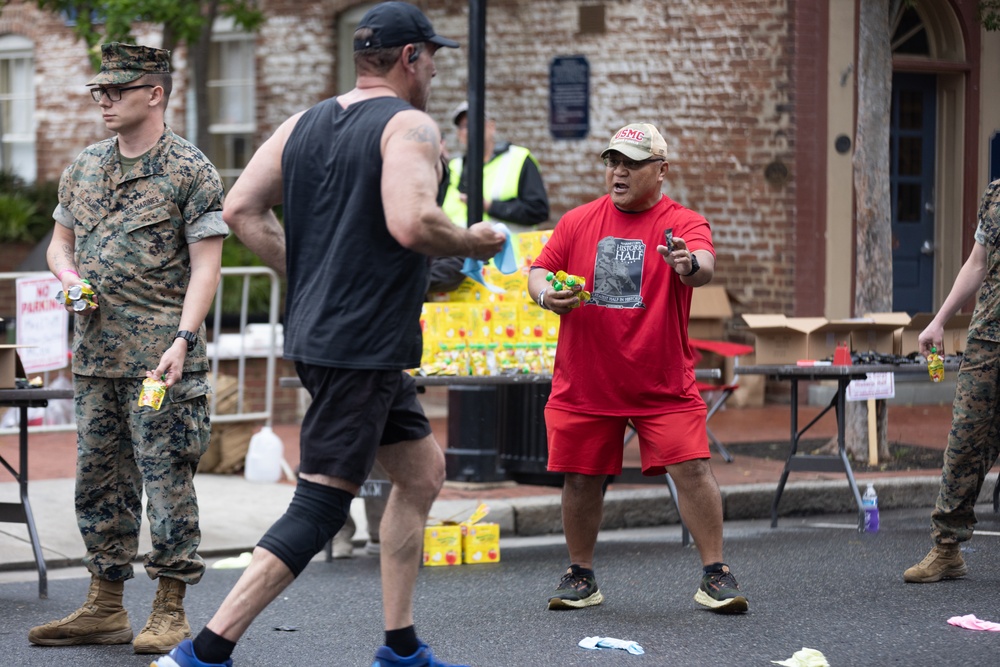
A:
{"points": [[781, 339], [449, 543], [528, 245], [956, 333], [786, 340], [456, 322], [480, 543], [552, 322], [443, 545], [515, 285], [10, 366], [531, 323], [503, 322], [710, 310], [883, 334]]}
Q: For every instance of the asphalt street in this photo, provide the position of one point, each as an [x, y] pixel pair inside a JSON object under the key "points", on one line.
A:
{"points": [[812, 582]]}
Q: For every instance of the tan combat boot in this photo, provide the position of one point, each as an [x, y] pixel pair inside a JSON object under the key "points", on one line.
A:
{"points": [[101, 620], [943, 562], [167, 625]]}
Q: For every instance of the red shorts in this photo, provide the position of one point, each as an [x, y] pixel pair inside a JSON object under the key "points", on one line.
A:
{"points": [[593, 445]]}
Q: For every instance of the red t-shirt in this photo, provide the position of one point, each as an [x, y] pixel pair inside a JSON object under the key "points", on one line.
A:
{"points": [[625, 352]]}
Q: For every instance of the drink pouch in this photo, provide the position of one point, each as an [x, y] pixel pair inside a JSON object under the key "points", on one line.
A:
{"points": [[152, 393]]}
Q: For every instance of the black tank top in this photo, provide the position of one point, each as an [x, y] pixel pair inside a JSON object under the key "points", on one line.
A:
{"points": [[354, 294]]}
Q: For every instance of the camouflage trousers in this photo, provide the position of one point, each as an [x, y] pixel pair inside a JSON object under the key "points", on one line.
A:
{"points": [[973, 443], [122, 449]]}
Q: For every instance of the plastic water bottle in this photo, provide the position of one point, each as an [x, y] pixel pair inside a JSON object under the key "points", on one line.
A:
{"points": [[869, 502], [935, 365], [265, 457]]}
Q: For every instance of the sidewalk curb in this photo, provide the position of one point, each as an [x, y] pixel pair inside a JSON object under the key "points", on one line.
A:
{"points": [[539, 515], [542, 515]]}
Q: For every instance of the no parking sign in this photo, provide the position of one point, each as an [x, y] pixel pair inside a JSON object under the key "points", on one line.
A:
{"points": [[42, 325], [876, 385]]}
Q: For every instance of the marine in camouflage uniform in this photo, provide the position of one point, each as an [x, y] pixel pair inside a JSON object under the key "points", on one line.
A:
{"points": [[133, 223], [973, 443]]}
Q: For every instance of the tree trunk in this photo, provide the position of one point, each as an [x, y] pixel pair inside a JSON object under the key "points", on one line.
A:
{"points": [[198, 56], [873, 252]]}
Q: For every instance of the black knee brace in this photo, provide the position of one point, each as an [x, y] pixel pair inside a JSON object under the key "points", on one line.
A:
{"points": [[315, 515]]}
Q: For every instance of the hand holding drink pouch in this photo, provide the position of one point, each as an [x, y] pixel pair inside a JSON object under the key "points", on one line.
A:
{"points": [[152, 393]]}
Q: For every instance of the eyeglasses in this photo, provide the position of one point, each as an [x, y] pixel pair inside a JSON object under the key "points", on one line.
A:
{"points": [[615, 162], [114, 94]]}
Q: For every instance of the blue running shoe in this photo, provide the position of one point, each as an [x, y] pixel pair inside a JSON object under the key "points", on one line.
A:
{"points": [[183, 656], [424, 657]]}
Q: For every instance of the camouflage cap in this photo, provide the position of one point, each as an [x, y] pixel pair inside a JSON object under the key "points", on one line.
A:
{"points": [[123, 63]]}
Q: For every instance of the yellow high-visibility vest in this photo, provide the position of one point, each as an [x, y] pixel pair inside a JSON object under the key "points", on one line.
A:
{"points": [[501, 176]]}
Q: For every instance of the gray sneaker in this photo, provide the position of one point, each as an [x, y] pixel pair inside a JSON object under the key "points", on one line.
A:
{"points": [[577, 589], [720, 593]]}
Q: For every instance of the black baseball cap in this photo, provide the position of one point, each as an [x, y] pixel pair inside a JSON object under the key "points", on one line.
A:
{"points": [[396, 24]]}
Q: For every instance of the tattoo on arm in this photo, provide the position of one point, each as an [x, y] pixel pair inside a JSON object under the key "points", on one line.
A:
{"points": [[423, 134], [67, 251]]}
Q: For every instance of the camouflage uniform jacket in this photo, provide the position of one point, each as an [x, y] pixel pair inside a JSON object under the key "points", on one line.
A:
{"points": [[132, 233], [985, 323]]}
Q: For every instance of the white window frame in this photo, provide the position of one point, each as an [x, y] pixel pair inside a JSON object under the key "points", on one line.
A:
{"points": [[225, 31], [23, 162]]}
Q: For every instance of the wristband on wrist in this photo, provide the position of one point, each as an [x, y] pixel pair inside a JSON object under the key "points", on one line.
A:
{"points": [[65, 270], [541, 298]]}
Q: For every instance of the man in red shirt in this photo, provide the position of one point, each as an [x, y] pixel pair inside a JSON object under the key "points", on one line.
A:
{"points": [[623, 356]]}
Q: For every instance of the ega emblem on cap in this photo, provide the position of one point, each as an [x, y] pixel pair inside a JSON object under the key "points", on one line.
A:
{"points": [[124, 63]]}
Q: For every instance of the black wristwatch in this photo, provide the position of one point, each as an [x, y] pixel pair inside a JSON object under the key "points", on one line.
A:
{"points": [[192, 337], [694, 266]]}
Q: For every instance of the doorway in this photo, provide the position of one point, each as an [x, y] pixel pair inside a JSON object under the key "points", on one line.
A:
{"points": [[913, 128]]}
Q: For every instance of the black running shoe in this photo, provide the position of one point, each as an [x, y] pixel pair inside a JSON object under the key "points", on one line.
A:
{"points": [[720, 592], [577, 589]]}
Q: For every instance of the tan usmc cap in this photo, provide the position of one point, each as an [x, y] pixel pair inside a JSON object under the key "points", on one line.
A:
{"points": [[639, 141], [124, 63]]}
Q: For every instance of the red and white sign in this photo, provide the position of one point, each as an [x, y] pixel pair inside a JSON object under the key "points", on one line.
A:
{"points": [[42, 325], [876, 385]]}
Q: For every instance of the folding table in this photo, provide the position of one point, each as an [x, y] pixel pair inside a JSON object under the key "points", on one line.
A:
{"points": [[838, 462], [20, 512]]}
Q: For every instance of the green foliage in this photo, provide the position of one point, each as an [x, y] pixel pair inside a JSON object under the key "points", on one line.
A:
{"points": [[15, 212], [234, 253], [989, 14], [183, 20], [25, 210]]}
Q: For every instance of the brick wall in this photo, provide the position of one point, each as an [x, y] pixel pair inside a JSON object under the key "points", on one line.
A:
{"points": [[67, 119], [286, 401], [716, 78]]}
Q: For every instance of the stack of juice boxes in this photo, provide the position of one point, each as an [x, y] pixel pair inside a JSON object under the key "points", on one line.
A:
{"points": [[470, 542], [476, 331]]}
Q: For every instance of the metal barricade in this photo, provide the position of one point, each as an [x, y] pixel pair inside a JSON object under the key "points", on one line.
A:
{"points": [[244, 350]]}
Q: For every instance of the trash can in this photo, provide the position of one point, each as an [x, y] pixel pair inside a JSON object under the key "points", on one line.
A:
{"points": [[522, 443], [471, 455]]}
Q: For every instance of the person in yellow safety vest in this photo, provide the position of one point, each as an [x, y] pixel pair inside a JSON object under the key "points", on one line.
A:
{"points": [[513, 191]]}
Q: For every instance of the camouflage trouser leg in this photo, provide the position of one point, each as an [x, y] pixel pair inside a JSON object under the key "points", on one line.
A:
{"points": [[108, 483], [973, 443], [159, 449]]}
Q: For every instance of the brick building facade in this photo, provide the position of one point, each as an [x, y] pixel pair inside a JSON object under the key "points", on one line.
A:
{"points": [[748, 94]]}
